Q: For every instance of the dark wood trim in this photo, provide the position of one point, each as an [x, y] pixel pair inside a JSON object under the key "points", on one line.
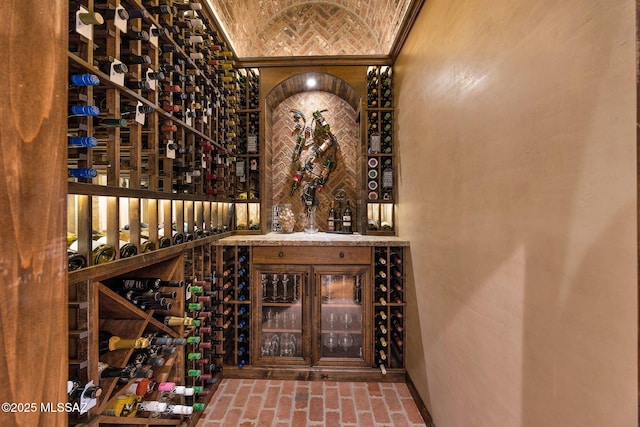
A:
{"points": [[419, 402], [306, 61], [638, 171], [87, 189], [329, 373], [405, 28]]}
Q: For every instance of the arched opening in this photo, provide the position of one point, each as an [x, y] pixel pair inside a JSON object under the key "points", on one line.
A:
{"points": [[342, 103]]}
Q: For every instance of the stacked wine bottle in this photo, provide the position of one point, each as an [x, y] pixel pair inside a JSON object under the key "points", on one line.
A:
{"points": [[389, 306], [248, 157], [203, 364], [380, 149], [237, 306], [152, 97]]}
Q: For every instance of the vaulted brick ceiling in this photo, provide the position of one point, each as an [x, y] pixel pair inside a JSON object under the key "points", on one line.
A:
{"points": [[276, 28]]}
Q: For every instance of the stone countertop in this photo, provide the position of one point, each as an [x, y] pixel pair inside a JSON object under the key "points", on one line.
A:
{"points": [[315, 239]]}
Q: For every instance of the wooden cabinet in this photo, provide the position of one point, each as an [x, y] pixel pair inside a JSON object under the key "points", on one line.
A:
{"points": [[316, 313], [282, 315], [310, 315], [340, 313]]}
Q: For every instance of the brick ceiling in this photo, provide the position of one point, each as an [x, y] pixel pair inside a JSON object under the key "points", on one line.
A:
{"points": [[281, 28]]}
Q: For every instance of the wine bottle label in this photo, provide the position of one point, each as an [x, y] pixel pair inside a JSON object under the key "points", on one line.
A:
{"points": [[180, 409], [252, 144], [153, 406], [387, 178], [375, 143]]}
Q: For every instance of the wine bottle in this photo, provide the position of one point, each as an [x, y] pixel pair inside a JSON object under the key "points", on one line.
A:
{"points": [[162, 10], [297, 178], [135, 36], [397, 326], [76, 390], [397, 340], [82, 141], [149, 283], [382, 327], [91, 18], [396, 271], [382, 364], [84, 80], [331, 224], [75, 260], [102, 254], [346, 219], [85, 110], [395, 257], [177, 321], [118, 68], [109, 342], [171, 388], [110, 14], [395, 297], [138, 84], [83, 173]]}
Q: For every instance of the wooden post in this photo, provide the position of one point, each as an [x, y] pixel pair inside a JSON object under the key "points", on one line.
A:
{"points": [[33, 266]]}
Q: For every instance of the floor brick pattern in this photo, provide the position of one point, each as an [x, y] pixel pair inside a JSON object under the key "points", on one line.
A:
{"points": [[271, 403]]}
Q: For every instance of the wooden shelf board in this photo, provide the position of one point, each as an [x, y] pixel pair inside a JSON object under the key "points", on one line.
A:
{"points": [[106, 419], [124, 265]]}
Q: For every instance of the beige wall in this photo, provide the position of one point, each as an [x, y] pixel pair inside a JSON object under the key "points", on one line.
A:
{"points": [[516, 130]]}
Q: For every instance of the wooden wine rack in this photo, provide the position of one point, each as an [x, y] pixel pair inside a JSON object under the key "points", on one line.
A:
{"points": [[379, 171], [389, 318], [248, 161], [159, 179], [235, 281]]}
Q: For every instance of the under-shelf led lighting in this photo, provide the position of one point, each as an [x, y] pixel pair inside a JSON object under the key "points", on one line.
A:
{"points": [[311, 82]]}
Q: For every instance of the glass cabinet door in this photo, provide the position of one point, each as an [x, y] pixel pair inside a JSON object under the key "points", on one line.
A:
{"points": [[341, 310], [281, 340]]}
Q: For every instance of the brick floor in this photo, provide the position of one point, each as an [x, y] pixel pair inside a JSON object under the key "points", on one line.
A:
{"points": [[310, 403]]}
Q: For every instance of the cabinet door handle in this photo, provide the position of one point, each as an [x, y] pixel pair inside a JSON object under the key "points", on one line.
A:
{"points": [[280, 254], [341, 254]]}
